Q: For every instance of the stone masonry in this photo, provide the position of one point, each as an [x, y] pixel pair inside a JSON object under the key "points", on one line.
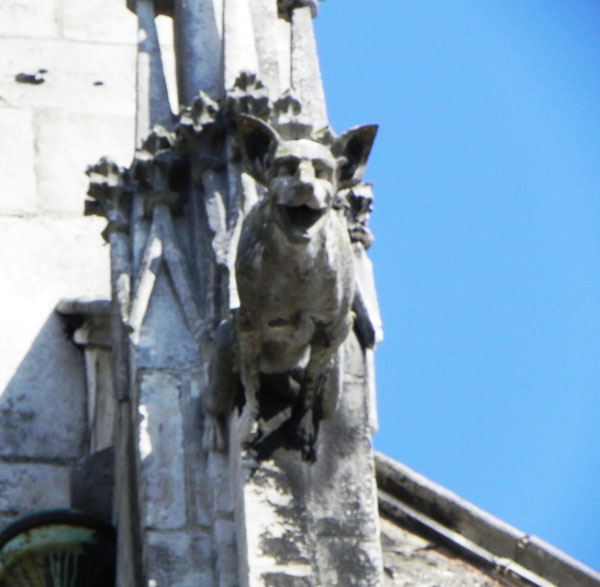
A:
{"points": [[67, 97]]}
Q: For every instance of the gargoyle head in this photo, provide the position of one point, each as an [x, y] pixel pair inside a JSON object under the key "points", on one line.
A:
{"points": [[303, 175]]}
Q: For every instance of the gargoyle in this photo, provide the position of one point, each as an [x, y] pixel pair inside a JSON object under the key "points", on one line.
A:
{"points": [[295, 279]]}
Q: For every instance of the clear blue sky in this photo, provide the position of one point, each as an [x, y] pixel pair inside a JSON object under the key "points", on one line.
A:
{"points": [[487, 252]]}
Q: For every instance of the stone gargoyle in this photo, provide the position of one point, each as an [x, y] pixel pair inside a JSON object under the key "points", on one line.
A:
{"points": [[295, 280]]}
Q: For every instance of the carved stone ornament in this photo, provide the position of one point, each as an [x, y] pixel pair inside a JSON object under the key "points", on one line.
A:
{"points": [[248, 96], [357, 204], [295, 279], [110, 195]]}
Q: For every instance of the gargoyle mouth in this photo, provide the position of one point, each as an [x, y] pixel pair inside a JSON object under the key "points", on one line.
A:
{"points": [[300, 218]]}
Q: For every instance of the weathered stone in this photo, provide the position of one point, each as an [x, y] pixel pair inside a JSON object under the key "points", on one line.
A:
{"points": [[98, 21], [283, 32], [160, 443], [165, 341], [179, 558], [196, 461], [240, 48], [274, 545], [28, 18], [264, 21], [83, 138], [92, 485], [87, 77], [17, 167], [227, 563], [199, 48], [411, 560], [26, 487], [350, 562], [41, 261], [153, 106], [164, 27], [306, 73], [101, 399], [51, 369]]}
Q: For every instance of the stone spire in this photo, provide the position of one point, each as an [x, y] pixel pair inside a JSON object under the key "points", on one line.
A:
{"points": [[244, 312]]}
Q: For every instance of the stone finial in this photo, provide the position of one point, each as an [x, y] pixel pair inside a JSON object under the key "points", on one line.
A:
{"points": [[110, 195], [285, 7], [357, 204], [287, 117], [200, 115], [158, 169], [248, 96], [196, 130]]}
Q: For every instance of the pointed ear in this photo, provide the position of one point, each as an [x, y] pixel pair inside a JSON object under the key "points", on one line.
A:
{"points": [[353, 148], [258, 141]]}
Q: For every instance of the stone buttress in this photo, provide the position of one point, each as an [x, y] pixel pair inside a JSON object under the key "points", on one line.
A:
{"points": [[186, 515]]}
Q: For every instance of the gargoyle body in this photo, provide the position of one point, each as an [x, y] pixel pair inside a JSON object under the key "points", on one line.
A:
{"points": [[295, 278]]}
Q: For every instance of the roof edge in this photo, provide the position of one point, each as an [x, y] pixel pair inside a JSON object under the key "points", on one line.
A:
{"points": [[408, 497]]}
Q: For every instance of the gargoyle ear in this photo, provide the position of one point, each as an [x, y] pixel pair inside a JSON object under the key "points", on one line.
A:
{"points": [[353, 148], [258, 141]]}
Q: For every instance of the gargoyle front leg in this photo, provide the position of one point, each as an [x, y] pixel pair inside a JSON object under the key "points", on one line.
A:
{"points": [[305, 418], [249, 342]]}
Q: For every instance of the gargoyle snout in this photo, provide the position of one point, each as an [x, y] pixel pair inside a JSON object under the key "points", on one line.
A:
{"points": [[306, 190], [306, 172]]}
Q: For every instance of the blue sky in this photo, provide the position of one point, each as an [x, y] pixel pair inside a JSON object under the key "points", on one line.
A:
{"points": [[487, 252]]}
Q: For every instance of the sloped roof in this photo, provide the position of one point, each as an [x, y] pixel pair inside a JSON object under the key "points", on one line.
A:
{"points": [[506, 555]]}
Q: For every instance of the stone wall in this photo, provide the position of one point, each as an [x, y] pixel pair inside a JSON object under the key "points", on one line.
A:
{"points": [[67, 97]]}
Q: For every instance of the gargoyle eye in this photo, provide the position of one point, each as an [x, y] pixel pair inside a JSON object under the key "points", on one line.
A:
{"points": [[323, 171], [287, 168]]}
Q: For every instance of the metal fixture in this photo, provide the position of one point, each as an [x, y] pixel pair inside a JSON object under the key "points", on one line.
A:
{"points": [[57, 548]]}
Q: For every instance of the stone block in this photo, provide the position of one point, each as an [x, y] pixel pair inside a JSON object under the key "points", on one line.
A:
{"points": [[79, 77], [41, 373], [350, 562], [26, 487], [67, 144], [98, 21], [196, 460], [224, 534], [54, 427], [220, 482], [28, 18], [101, 398], [179, 558], [344, 492], [17, 165], [165, 341], [161, 449], [273, 522]]}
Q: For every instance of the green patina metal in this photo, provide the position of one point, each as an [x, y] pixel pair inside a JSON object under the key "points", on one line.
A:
{"points": [[57, 548]]}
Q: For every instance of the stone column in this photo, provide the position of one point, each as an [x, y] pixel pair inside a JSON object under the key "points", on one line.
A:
{"points": [[305, 70]]}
